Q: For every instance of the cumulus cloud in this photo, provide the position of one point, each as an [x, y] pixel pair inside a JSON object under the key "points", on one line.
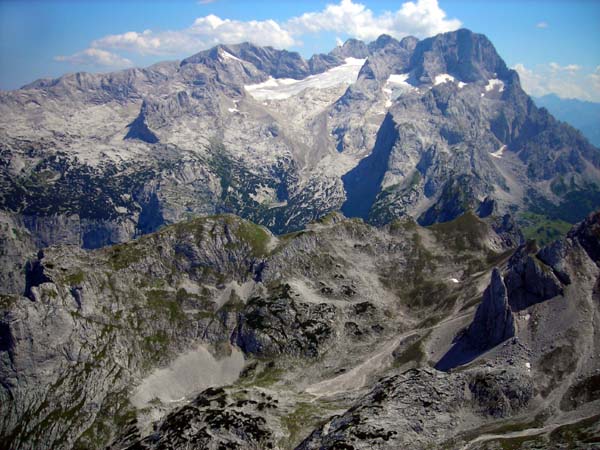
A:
{"points": [[555, 67], [565, 81], [420, 18], [265, 32], [205, 32], [542, 25], [96, 57]]}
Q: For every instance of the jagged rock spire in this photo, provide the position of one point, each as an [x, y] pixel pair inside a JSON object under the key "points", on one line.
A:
{"points": [[494, 321]]}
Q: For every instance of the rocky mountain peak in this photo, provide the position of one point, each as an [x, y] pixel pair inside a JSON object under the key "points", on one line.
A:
{"points": [[381, 42], [352, 48], [463, 54], [277, 63]]}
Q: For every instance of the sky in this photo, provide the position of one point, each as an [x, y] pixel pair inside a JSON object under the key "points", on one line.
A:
{"points": [[553, 44]]}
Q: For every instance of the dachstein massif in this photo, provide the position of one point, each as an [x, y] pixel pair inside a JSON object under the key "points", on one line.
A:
{"points": [[249, 250]]}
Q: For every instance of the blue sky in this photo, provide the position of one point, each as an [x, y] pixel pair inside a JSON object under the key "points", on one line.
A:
{"points": [[554, 45]]}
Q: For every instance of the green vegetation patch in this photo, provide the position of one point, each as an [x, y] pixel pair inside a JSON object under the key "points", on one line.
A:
{"points": [[301, 419], [542, 228], [255, 236], [413, 353], [122, 256], [165, 303], [75, 278], [466, 232], [115, 413], [6, 301]]}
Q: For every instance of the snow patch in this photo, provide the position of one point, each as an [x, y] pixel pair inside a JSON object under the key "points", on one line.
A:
{"points": [[264, 194], [493, 83], [282, 88], [233, 110], [395, 86], [442, 78], [454, 280], [226, 55], [401, 78], [461, 84], [498, 153]]}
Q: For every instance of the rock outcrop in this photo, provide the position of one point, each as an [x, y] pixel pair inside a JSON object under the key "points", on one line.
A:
{"points": [[494, 322]]}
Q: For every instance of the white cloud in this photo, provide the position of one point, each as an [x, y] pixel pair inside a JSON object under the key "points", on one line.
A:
{"points": [[595, 79], [420, 18], [205, 2], [96, 57], [565, 81], [205, 32], [265, 32], [555, 67], [542, 25]]}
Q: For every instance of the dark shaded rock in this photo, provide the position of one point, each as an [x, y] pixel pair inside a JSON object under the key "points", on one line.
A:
{"points": [[508, 230], [500, 394], [493, 324], [281, 325], [582, 392], [530, 281], [554, 255], [364, 181], [34, 275], [587, 233], [212, 421], [494, 321], [139, 130]]}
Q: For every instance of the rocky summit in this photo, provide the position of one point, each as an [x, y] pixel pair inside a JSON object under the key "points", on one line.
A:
{"points": [[250, 250]]}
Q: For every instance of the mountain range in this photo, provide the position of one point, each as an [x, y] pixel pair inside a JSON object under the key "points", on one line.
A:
{"points": [[250, 250], [429, 129], [583, 115]]}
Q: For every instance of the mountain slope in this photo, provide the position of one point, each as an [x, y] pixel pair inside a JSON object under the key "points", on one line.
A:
{"points": [[214, 332], [441, 126]]}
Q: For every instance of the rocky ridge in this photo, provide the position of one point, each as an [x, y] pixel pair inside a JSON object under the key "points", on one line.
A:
{"points": [[428, 129], [339, 326]]}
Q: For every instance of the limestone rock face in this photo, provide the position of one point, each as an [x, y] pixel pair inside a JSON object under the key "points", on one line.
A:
{"points": [[494, 321], [429, 129]]}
